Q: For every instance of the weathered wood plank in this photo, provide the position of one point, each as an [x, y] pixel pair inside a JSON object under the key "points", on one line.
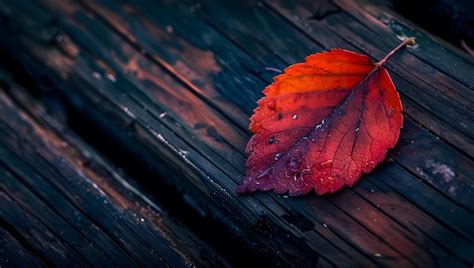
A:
{"points": [[47, 216], [38, 235], [12, 252], [133, 89], [61, 184]]}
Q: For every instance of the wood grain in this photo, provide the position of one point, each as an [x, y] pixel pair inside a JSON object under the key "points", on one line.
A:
{"points": [[181, 79], [72, 208]]}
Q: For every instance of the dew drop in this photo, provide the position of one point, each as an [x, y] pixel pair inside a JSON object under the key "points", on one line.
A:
{"points": [[272, 140], [272, 104], [371, 163], [277, 156], [295, 116], [357, 129]]}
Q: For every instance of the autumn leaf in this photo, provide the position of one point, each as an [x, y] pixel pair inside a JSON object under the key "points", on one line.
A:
{"points": [[322, 124]]}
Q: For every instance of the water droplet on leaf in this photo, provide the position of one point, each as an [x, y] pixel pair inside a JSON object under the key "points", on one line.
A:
{"points": [[272, 140], [272, 104]]}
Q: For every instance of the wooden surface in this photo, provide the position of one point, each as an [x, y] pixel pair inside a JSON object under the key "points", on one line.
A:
{"points": [[167, 88], [62, 204]]}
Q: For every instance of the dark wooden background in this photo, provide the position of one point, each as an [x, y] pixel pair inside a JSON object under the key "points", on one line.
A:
{"points": [[123, 126]]}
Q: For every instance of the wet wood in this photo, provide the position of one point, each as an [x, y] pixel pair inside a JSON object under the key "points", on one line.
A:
{"points": [[176, 82], [62, 204]]}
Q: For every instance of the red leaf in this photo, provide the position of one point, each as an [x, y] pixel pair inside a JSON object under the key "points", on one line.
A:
{"points": [[322, 124]]}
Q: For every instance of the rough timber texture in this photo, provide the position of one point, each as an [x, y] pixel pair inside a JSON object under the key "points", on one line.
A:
{"points": [[63, 205], [176, 81]]}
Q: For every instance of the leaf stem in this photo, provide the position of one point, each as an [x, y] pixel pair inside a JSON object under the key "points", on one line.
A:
{"points": [[409, 41]]}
